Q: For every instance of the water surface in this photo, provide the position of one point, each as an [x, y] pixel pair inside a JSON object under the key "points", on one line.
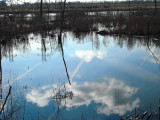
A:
{"points": [[110, 76]]}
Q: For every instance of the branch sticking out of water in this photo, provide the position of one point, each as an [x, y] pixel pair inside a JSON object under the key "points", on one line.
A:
{"points": [[6, 99]]}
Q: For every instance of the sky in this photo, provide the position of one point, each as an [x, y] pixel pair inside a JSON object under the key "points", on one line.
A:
{"points": [[32, 1]]}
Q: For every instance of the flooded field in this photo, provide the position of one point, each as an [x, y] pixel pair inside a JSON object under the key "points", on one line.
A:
{"points": [[87, 76]]}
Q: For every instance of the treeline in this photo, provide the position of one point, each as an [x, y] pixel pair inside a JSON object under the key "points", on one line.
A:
{"points": [[3, 3]]}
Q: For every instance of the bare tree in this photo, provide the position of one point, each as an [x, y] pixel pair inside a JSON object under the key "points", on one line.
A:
{"points": [[155, 2], [0, 75], [129, 5], [41, 7]]}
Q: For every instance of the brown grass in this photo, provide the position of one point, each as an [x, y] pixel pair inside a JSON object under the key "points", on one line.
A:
{"points": [[133, 23]]}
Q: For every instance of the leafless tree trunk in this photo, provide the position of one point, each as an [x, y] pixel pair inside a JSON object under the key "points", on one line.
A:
{"points": [[60, 35], [129, 2], [0, 76], [43, 50], [159, 108], [41, 8], [9, 92], [61, 46], [155, 2], [62, 16]]}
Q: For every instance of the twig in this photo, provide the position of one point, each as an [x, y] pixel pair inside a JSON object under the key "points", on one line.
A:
{"points": [[6, 99]]}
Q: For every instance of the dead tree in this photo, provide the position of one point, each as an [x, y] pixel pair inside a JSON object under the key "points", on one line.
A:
{"points": [[155, 3], [0, 81], [41, 8]]}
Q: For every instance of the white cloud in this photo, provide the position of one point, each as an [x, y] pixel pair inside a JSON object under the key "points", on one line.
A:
{"points": [[88, 55], [100, 54], [121, 109], [41, 97], [115, 96]]}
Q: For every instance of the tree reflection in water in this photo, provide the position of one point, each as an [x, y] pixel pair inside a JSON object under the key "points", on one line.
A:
{"points": [[0, 77], [61, 47], [62, 94]]}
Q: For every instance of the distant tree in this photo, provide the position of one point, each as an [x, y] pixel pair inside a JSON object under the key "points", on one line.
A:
{"points": [[155, 2], [41, 7], [129, 3]]}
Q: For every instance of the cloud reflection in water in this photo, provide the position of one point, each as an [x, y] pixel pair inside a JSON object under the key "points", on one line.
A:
{"points": [[88, 55], [114, 96], [41, 97]]}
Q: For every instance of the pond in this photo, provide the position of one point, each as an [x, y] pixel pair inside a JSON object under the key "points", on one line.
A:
{"points": [[88, 76]]}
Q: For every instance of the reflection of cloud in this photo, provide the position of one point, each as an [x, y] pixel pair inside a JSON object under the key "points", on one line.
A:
{"points": [[114, 96], [88, 55], [121, 109], [40, 97]]}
